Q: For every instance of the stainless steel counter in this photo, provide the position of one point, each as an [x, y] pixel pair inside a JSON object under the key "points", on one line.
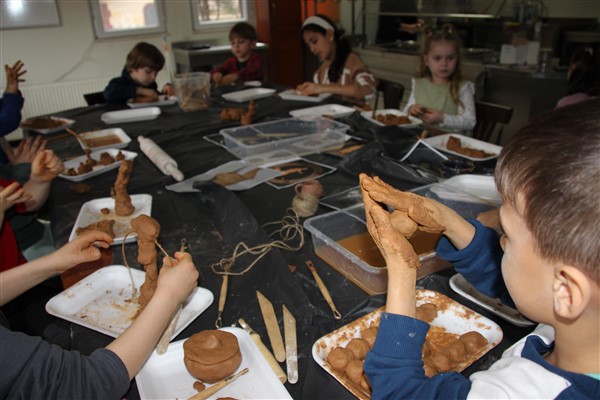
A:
{"points": [[203, 56]]}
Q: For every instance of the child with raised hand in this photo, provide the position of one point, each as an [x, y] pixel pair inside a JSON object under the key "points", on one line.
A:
{"points": [[35, 369], [341, 71], [547, 261], [246, 64], [11, 103], [138, 78], [439, 95]]}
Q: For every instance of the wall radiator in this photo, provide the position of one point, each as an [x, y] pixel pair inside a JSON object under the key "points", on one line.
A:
{"points": [[54, 97]]}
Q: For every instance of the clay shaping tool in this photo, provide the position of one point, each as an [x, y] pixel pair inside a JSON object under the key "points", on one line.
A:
{"points": [[206, 393], [324, 291], [268, 313], [86, 149], [291, 351], [264, 351], [222, 298], [164, 340]]}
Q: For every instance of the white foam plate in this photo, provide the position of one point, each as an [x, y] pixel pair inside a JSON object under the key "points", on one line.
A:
{"points": [[326, 110], [90, 213], [263, 175], [469, 188], [459, 284], [293, 94], [368, 115], [440, 142], [102, 301], [166, 377], [452, 316], [90, 136], [96, 169], [133, 115], [248, 94], [253, 83], [163, 100], [66, 123]]}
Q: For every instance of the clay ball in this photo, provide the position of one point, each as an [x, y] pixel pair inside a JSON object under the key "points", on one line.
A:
{"points": [[369, 334], [212, 355], [474, 341], [339, 358], [359, 348], [427, 312], [440, 361], [457, 351], [355, 370]]}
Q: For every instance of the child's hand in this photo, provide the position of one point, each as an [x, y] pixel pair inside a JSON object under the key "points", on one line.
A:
{"points": [[11, 195], [46, 166], [416, 110], [392, 243], [217, 77], [309, 88], [84, 248], [429, 215], [27, 150], [168, 90], [178, 277], [145, 95], [229, 79], [13, 76], [432, 117]]}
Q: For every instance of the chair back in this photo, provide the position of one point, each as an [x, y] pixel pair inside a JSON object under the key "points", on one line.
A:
{"points": [[94, 98], [489, 115], [392, 93]]}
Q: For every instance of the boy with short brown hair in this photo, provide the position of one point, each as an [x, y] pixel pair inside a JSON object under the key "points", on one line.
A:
{"points": [[138, 78], [246, 64], [549, 179]]}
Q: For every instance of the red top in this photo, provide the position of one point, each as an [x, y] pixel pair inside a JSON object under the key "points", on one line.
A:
{"points": [[253, 70], [10, 255]]}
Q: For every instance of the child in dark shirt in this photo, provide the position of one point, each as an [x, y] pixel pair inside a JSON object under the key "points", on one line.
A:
{"points": [[246, 64], [138, 78], [547, 260]]}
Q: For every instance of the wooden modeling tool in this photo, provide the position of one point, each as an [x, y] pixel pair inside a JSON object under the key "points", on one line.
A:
{"points": [[264, 351], [268, 313], [291, 346], [222, 298], [164, 340], [323, 288], [209, 391]]}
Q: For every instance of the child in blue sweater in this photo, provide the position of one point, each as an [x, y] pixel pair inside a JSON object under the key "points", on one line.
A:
{"points": [[547, 260], [138, 78]]}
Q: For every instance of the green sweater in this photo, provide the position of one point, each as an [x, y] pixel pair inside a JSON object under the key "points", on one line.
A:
{"points": [[436, 96]]}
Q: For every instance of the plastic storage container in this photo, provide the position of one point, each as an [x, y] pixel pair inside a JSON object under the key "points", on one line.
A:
{"points": [[329, 229], [193, 90], [292, 134]]}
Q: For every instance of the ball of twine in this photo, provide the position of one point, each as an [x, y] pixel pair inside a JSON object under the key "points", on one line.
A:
{"points": [[305, 204]]}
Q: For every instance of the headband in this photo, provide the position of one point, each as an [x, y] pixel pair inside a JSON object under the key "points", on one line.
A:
{"points": [[314, 20]]}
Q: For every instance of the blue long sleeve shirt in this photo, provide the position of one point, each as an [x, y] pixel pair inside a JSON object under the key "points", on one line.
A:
{"points": [[395, 369], [10, 117], [123, 88]]}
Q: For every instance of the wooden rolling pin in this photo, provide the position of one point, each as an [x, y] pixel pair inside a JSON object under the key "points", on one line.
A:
{"points": [[206, 393]]}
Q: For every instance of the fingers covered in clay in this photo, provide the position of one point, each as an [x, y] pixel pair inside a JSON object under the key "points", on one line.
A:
{"points": [[422, 211], [391, 242]]}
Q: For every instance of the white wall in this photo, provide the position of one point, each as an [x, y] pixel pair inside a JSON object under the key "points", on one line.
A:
{"points": [[70, 52]]}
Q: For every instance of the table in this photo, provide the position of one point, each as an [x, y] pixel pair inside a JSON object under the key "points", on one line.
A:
{"points": [[214, 221]]}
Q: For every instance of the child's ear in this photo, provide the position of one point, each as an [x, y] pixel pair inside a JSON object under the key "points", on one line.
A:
{"points": [[571, 291]]}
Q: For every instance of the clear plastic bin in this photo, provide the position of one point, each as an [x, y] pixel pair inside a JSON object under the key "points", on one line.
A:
{"points": [[329, 229], [292, 134]]}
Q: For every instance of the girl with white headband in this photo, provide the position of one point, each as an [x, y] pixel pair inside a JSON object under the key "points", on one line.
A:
{"points": [[342, 71]]}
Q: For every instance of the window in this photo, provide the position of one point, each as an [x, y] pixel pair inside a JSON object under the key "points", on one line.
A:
{"points": [[117, 18], [207, 13]]}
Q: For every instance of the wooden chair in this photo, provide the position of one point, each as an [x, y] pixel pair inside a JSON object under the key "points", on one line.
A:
{"points": [[94, 98], [392, 93], [489, 115]]}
